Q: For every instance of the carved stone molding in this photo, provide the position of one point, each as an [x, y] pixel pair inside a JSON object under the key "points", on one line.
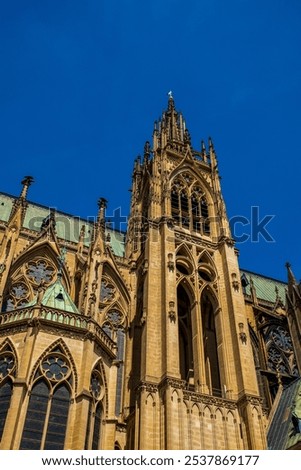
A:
{"points": [[147, 387]]}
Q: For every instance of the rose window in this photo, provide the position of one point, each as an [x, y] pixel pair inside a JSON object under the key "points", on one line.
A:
{"points": [[40, 271]]}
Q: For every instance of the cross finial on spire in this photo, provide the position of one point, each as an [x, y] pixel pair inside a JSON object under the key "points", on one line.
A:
{"points": [[170, 95]]}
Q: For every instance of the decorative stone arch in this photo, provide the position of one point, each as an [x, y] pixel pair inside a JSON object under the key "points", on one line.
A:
{"points": [[51, 392], [99, 365], [98, 406], [62, 348], [8, 345], [175, 394], [111, 272], [150, 397], [43, 250], [37, 264], [184, 260], [207, 265], [196, 178], [116, 306], [191, 201]]}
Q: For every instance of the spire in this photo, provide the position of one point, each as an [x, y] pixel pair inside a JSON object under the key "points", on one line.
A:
{"points": [[102, 205], [170, 128], [171, 102], [290, 276], [26, 182]]}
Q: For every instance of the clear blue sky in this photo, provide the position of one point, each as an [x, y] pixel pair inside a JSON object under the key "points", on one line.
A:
{"points": [[82, 82]]}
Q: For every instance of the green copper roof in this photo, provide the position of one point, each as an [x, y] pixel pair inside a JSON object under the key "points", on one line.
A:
{"points": [[6, 204], [265, 286], [117, 242], [57, 297], [283, 432], [67, 227]]}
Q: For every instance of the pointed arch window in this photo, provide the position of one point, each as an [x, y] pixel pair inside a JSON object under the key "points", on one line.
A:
{"points": [[114, 327], [25, 282], [199, 209], [48, 408], [97, 427], [7, 372], [93, 435], [210, 346], [185, 334], [120, 371], [185, 216], [189, 205]]}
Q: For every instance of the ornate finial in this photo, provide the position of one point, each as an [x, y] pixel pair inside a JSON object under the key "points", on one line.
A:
{"points": [[171, 104], [26, 182], [288, 265], [211, 146], [82, 232], [187, 138], [102, 205], [146, 151], [61, 261], [49, 220]]}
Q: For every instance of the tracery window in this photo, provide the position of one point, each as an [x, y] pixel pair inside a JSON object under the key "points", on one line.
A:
{"points": [[97, 390], [189, 205], [280, 355], [48, 408], [7, 372], [40, 270], [25, 282], [107, 291], [114, 327]]}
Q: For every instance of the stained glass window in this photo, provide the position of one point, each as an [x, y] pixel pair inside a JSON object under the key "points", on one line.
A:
{"points": [[48, 408], [5, 396], [40, 270], [107, 291], [97, 427]]}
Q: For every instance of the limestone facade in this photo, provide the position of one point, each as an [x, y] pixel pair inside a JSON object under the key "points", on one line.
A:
{"points": [[152, 339]]}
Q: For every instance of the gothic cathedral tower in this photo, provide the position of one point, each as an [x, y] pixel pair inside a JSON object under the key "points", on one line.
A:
{"points": [[190, 369]]}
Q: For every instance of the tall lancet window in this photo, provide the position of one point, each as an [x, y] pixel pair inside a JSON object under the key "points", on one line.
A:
{"points": [[97, 390], [210, 346], [7, 372], [199, 211], [189, 206], [185, 334], [48, 408]]}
